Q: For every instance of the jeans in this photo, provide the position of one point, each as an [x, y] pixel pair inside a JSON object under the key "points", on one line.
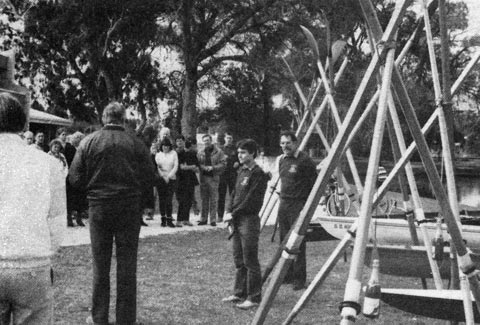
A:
{"points": [[209, 194], [248, 277], [185, 197], [227, 183], [119, 221], [288, 211], [26, 296], [165, 197]]}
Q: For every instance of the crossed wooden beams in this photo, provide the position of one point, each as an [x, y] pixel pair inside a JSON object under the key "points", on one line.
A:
{"points": [[391, 78]]}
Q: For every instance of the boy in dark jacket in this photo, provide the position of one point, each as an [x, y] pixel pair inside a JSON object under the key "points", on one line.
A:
{"points": [[242, 214]]}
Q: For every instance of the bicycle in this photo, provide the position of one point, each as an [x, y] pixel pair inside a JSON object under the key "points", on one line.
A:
{"points": [[335, 207], [337, 202]]}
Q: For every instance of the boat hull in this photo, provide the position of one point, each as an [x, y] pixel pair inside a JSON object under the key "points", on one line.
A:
{"points": [[395, 231]]}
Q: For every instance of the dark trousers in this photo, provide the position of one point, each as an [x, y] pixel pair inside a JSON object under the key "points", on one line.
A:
{"points": [[288, 211], [148, 198], [248, 277], [227, 182], [119, 221], [165, 196], [185, 196]]}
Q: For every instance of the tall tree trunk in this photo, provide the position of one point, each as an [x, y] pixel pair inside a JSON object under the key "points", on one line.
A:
{"points": [[189, 107], [267, 113]]}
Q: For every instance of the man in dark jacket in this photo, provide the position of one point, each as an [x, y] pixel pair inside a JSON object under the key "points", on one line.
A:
{"points": [[113, 166], [228, 176], [245, 203], [212, 163], [297, 175]]}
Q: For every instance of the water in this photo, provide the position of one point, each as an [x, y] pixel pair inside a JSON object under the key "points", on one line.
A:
{"points": [[468, 187]]}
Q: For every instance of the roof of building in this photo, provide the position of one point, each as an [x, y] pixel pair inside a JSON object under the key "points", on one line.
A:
{"points": [[46, 118]]}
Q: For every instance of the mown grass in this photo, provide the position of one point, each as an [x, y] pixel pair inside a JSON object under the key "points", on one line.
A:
{"points": [[183, 277]]}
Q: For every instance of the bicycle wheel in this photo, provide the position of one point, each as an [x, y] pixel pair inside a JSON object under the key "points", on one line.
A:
{"points": [[334, 205]]}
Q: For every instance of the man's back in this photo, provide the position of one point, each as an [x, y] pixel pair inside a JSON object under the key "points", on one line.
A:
{"points": [[112, 164], [32, 202]]}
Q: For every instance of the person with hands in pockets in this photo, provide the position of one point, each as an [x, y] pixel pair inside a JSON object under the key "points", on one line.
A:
{"points": [[242, 215]]}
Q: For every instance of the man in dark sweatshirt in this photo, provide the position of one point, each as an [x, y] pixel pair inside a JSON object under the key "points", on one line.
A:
{"points": [[242, 214], [297, 176]]}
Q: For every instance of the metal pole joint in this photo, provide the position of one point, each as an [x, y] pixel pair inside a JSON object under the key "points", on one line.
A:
{"points": [[350, 304], [383, 47]]}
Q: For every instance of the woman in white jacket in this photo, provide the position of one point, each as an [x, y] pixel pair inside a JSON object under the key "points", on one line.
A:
{"points": [[167, 166]]}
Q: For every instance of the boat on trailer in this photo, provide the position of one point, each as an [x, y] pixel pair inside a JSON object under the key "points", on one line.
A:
{"points": [[394, 229]]}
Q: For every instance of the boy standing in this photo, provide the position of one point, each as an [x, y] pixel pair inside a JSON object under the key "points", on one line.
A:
{"points": [[242, 214]]}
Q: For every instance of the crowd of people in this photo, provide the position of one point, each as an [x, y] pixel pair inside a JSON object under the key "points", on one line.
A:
{"points": [[113, 176]]}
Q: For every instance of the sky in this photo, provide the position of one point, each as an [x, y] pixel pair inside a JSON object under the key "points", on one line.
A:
{"points": [[474, 16]]}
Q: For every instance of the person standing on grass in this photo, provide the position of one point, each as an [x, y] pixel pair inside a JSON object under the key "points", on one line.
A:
{"points": [[212, 164], [196, 196], [227, 177], [187, 180], [114, 167], [242, 213], [32, 210], [297, 173], [167, 166]]}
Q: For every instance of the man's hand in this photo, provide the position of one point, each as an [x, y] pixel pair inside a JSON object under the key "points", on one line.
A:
{"points": [[235, 165]]}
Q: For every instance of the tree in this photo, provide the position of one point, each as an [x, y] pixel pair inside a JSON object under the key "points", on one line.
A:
{"points": [[240, 105], [92, 52]]}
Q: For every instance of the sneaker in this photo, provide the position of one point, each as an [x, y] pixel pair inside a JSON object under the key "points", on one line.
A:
{"points": [[247, 304], [213, 224], [202, 223], [178, 224], [232, 298], [187, 223], [89, 320]]}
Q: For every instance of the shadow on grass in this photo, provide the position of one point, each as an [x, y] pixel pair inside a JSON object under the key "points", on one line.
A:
{"points": [[183, 277]]}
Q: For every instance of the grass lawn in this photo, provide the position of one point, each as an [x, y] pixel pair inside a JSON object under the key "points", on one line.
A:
{"points": [[183, 277]]}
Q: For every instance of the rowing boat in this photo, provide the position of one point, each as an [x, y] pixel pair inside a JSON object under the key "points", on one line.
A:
{"points": [[395, 231]]}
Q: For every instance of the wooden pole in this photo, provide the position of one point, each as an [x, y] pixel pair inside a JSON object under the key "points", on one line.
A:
{"points": [[465, 262], [320, 185], [397, 154], [401, 93], [417, 204], [353, 285], [447, 134], [350, 234], [270, 204]]}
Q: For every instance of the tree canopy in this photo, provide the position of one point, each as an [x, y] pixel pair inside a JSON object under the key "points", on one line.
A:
{"points": [[80, 54]]}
